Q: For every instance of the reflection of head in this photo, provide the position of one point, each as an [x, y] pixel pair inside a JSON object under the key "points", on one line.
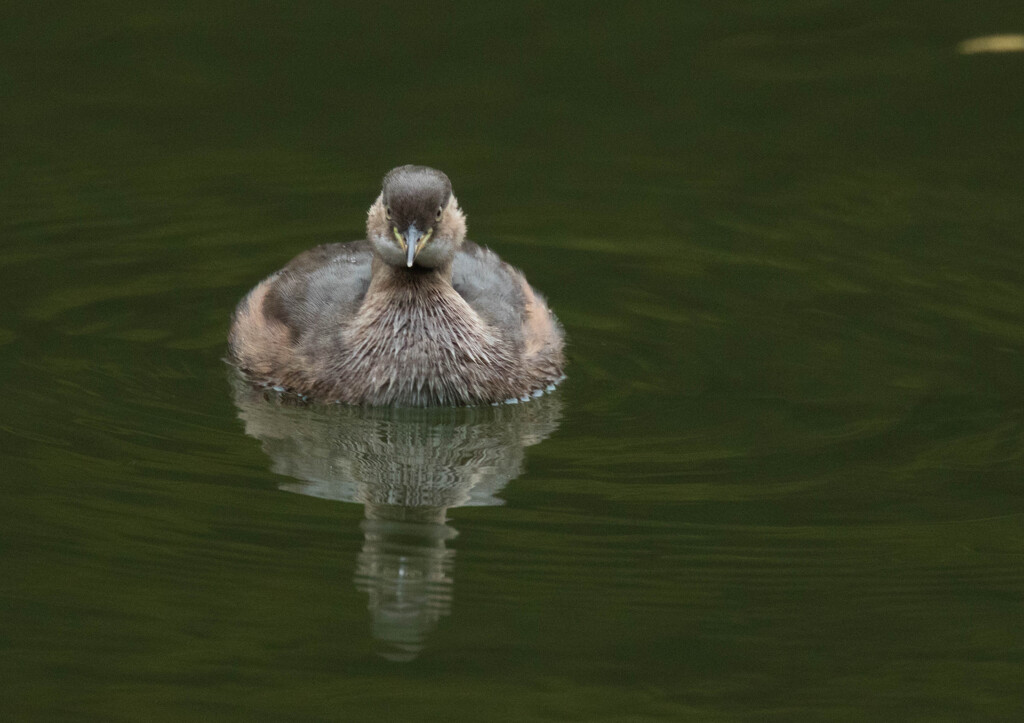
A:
{"points": [[408, 466], [406, 572]]}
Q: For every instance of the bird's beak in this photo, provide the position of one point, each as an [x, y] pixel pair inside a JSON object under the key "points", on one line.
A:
{"points": [[412, 237], [413, 243]]}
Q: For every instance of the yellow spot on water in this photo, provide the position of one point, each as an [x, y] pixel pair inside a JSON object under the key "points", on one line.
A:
{"points": [[992, 44]]}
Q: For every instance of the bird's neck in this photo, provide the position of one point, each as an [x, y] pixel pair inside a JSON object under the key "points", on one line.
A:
{"points": [[408, 282]]}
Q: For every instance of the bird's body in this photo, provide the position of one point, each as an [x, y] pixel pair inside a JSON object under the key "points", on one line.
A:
{"points": [[407, 317]]}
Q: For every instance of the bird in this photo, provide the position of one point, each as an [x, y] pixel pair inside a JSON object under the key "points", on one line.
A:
{"points": [[413, 315]]}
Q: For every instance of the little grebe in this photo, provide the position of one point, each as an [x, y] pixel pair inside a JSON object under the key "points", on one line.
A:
{"points": [[414, 315]]}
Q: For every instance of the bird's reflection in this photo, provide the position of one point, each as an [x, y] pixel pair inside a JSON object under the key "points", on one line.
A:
{"points": [[408, 467]]}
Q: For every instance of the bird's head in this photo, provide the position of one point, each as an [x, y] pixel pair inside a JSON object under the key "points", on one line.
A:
{"points": [[416, 220]]}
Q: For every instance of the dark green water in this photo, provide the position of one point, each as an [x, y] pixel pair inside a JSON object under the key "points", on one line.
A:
{"points": [[783, 480]]}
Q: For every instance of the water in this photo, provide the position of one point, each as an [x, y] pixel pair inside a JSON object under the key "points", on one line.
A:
{"points": [[783, 478]]}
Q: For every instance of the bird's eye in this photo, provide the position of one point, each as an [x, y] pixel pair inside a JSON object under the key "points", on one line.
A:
{"points": [[439, 210], [387, 212]]}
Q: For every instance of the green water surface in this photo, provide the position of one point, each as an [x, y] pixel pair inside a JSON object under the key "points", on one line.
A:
{"points": [[783, 480]]}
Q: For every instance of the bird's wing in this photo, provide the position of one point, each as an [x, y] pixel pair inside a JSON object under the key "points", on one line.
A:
{"points": [[324, 284]]}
